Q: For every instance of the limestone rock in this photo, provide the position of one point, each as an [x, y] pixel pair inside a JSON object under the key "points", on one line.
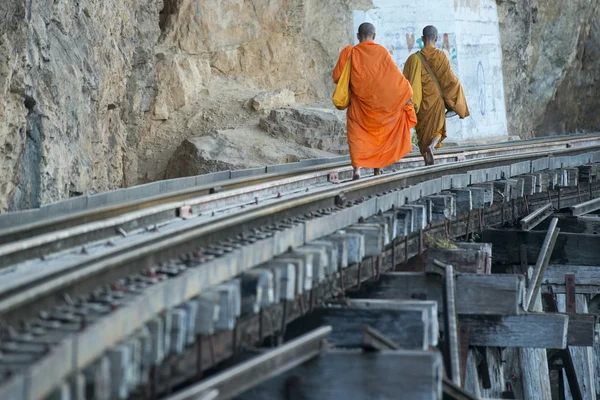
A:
{"points": [[234, 149], [550, 51], [76, 84], [319, 128], [270, 100]]}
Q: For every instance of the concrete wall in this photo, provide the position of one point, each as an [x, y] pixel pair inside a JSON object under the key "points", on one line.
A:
{"points": [[469, 35]]}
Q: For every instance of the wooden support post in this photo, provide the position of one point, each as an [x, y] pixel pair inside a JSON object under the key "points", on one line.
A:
{"points": [[483, 369], [578, 361], [523, 259], [451, 325], [534, 371], [541, 264], [570, 293], [464, 331]]}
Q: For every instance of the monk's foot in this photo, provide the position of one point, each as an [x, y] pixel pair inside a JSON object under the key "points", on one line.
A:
{"points": [[426, 158], [356, 174], [429, 154], [376, 171]]}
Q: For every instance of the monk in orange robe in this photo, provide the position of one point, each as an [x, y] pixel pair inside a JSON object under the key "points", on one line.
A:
{"points": [[381, 113], [430, 102]]}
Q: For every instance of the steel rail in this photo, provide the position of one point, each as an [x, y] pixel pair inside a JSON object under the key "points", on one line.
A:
{"points": [[50, 225], [44, 244], [165, 246]]}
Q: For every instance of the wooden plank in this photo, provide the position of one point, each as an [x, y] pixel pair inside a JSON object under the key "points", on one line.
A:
{"points": [[463, 260], [408, 328], [533, 330], [585, 275], [430, 308], [355, 375], [500, 294], [582, 329], [486, 248], [570, 248]]}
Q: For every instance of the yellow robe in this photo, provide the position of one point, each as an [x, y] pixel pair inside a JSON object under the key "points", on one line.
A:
{"points": [[378, 118], [429, 104]]}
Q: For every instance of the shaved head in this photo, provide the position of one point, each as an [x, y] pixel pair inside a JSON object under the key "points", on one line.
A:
{"points": [[430, 34], [366, 31]]}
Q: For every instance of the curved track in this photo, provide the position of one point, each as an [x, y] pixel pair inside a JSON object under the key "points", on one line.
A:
{"points": [[119, 267]]}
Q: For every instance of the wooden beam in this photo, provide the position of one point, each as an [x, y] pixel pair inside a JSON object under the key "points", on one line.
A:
{"points": [[570, 248], [408, 328], [587, 278], [533, 330], [463, 260], [586, 224], [581, 330], [500, 294], [429, 308], [356, 375]]}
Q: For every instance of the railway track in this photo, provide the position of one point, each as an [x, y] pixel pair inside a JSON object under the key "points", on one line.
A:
{"points": [[106, 278], [21, 225]]}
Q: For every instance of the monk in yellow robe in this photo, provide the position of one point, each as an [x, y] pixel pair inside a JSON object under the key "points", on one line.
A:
{"points": [[381, 113], [429, 99]]}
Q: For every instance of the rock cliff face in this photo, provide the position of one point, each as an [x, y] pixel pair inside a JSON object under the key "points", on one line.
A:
{"points": [[76, 83], [99, 94], [552, 48]]}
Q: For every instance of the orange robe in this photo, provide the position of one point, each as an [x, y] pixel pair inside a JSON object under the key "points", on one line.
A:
{"points": [[429, 104], [378, 118]]}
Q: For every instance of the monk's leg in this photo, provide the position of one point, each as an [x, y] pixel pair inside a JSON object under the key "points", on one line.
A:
{"points": [[376, 171], [429, 152], [424, 146], [356, 173]]}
